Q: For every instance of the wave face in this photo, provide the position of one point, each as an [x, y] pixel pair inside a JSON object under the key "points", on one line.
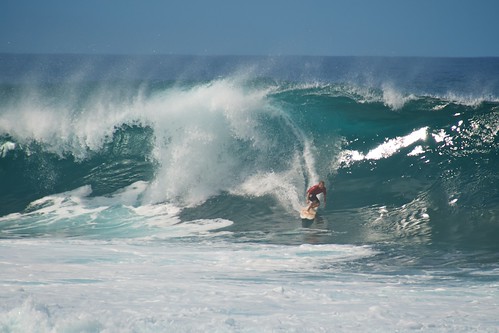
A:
{"points": [[408, 147]]}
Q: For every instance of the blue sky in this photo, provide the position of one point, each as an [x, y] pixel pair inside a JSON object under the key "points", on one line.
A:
{"points": [[458, 28]]}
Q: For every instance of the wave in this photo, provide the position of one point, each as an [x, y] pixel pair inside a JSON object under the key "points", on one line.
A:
{"points": [[413, 164], [198, 140]]}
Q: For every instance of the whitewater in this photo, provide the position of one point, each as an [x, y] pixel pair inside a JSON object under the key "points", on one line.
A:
{"points": [[161, 194]]}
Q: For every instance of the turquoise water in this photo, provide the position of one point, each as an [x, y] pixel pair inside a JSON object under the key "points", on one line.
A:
{"points": [[162, 193]]}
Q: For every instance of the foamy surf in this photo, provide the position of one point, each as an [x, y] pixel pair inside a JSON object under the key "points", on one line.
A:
{"points": [[74, 286]]}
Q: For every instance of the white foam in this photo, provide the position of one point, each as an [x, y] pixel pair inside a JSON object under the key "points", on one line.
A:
{"points": [[78, 286], [6, 147], [286, 187], [386, 149], [194, 129], [443, 137], [418, 150], [77, 213], [200, 227]]}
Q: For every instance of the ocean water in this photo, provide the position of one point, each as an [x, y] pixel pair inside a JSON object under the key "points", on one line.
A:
{"points": [[161, 194]]}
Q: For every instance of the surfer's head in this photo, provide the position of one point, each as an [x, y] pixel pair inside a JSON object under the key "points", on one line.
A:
{"points": [[321, 184]]}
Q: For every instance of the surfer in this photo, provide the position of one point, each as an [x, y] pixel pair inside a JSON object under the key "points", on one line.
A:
{"points": [[312, 200]]}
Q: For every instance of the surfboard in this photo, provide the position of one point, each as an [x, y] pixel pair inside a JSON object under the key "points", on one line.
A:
{"points": [[304, 215]]}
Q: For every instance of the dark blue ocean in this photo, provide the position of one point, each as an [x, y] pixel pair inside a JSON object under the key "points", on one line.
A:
{"points": [[161, 193]]}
